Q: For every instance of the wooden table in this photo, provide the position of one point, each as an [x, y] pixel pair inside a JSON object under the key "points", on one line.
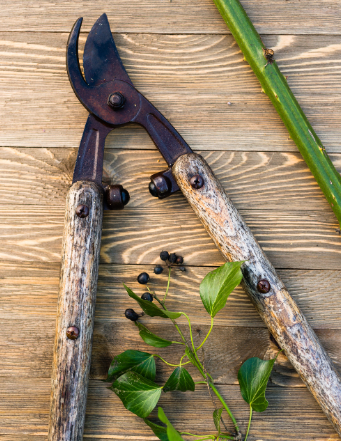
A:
{"points": [[180, 54]]}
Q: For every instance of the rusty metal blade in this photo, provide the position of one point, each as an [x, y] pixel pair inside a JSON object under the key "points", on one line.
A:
{"points": [[101, 61], [89, 163]]}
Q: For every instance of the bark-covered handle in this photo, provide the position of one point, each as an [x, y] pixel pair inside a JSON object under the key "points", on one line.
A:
{"points": [[76, 309], [278, 310]]}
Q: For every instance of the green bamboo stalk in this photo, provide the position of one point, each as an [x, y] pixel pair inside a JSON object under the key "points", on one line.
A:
{"points": [[276, 87]]}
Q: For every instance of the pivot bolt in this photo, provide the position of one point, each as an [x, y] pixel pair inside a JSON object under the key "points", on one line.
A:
{"points": [[72, 333], [196, 182], [82, 211], [263, 286], [116, 197], [116, 100]]}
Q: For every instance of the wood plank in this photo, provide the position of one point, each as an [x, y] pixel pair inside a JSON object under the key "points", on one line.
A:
{"points": [[28, 304], [291, 413], [228, 348], [29, 292], [28, 175], [305, 240], [173, 16], [190, 78]]}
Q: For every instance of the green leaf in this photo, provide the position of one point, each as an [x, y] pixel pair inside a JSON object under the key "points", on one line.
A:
{"points": [[159, 431], [218, 285], [179, 380], [140, 362], [173, 435], [253, 377], [137, 394], [150, 338], [150, 308], [216, 418]]}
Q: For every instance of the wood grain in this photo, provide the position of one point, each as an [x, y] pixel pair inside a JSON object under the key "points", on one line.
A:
{"points": [[30, 290], [190, 78], [179, 54], [306, 240], [76, 309], [228, 348], [26, 411], [276, 307], [282, 180], [174, 16]]}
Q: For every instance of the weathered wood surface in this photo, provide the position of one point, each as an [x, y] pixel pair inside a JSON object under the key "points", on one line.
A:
{"points": [[190, 78], [104, 409], [173, 16], [76, 310], [276, 307], [180, 55], [280, 179], [294, 239]]}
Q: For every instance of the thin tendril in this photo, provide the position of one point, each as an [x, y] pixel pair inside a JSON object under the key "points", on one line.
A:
{"points": [[209, 332], [169, 364], [249, 425], [190, 331]]}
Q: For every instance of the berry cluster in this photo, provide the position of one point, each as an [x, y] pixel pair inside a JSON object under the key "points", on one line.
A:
{"points": [[144, 278], [171, 258]]}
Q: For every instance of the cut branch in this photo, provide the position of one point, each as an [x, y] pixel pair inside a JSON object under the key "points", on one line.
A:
{"points": [[276, 87]]}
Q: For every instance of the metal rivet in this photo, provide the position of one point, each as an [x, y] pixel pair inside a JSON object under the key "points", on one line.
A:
{"points": [[82, 211], [263, 286], [116, 100], [196, 181], [72, 333]]}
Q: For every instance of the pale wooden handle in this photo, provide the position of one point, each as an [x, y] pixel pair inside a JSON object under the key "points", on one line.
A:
{"points": [[278, 310], [76, 308]]}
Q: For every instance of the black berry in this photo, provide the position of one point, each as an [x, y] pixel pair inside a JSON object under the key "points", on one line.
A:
{"points": [[158, 269], [172, 258], [164, 255], [143, 278], [131, 315], [180, 260], [147, 296], [182, 268]]}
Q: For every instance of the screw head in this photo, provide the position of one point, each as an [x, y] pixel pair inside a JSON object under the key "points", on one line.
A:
{"points": [[263, 286], [116, 100], [196, 181], [82, 211], [72, 333]]}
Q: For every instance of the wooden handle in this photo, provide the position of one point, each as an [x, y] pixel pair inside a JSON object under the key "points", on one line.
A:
{"points": [[76, 309], [278, 310]]}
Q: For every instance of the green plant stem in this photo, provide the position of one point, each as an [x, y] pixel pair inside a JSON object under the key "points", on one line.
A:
{"points": [[221, 399], [169, 274], [249, 425], [275, 85], [190, 331], [173, 321], [204, 439], [192, 434], [209, 332], [170, 364], [199, 365]]}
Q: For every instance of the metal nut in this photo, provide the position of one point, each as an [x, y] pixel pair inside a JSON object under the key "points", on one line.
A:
{"points": [[263, 286], [116, 100], [72, 333], [196, 182], [82, 211]]}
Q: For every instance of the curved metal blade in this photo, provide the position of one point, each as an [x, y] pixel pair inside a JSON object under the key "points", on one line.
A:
{"points": [[101, 60]]}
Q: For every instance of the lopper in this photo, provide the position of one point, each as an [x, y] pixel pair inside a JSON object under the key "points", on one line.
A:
{"points": [[112, 101]]}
